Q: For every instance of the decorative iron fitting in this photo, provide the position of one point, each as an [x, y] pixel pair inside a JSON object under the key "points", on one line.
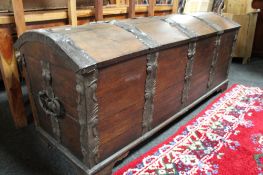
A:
{"points": [[150, 86], [140, 35], [188, 71], [88, 117], [214, 61], [49, 103]]}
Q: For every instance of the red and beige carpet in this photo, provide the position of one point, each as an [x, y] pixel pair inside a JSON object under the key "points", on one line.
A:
{"points": [[225, 138]]}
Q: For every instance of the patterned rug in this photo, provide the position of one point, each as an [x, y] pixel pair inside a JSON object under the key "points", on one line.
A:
{"points": [[225, 138]]}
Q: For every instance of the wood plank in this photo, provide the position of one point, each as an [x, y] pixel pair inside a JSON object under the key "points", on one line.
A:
{"points": [[30, 5], [169, 84], [8, 66], [118, 3], [72, 13], [151, 7], [98, 10], [19, 16], [131, 9], [122, 103], [38, 16], [192, 6], [250, 35], [239, 7], [175, 6]]}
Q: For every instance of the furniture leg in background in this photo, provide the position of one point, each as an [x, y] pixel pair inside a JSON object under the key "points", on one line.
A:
{"points": [[9, 70]]}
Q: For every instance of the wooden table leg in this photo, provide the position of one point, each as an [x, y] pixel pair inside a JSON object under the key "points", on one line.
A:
{"points": [[8, 66]]}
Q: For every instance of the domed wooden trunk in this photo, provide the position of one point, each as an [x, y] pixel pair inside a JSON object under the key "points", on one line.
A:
{"points": [[103, 88]]}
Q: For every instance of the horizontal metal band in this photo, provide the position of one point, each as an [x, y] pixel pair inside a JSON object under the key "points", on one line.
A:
{"points": [[212, 25], [188, 32], [140, 35]]}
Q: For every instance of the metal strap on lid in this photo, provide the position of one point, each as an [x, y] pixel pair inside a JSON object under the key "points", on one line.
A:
{"points": [[140, 35], [188, 32], [212, 25]]}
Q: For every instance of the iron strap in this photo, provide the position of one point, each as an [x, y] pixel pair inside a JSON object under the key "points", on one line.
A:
{"points": [[150, 86], [215, 56], [188, 71], [190, 55], [87, 107], [48, 92], [212, 25], [151, 70], [214, 61], [189, 33], [140, 35]]}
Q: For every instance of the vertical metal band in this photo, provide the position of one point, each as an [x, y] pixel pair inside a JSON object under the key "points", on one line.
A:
{"points": [[151, 69], [149, 91], [190, 55], [88, 118], [188, 71], [46, 84], [214, 61], [219, 31]]}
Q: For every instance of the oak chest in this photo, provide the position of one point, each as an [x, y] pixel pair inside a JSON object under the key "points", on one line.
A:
{"points": [[98, 90]]}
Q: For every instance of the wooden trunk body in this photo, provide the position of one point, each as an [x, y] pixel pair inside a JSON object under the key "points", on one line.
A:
{"points": [[103, 88]]}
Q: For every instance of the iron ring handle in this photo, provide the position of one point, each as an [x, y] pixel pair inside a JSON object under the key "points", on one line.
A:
{"points": [[50, 105]]}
